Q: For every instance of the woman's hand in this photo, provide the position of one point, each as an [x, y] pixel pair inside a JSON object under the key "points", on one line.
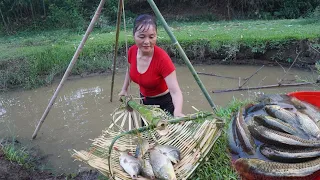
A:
{"points": [[178, 114], [123, 93]]}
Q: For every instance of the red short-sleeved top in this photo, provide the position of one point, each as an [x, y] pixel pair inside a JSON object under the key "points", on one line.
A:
{"points": [[152, 81]]}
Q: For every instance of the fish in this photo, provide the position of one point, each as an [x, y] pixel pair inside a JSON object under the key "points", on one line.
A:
{"points": [[130, 164], [281, 113], [146, 169], [233, 143], [272, 97], [275, 137], [289, 155], [171, 152], [308, 125], [306, 108], [252, 169], [161, 165], [244, 135], [276, 124], [142, 147], [259, 106], [297, 119]]}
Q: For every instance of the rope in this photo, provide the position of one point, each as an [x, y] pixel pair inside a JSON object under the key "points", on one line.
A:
{"points": [[126, 39]]}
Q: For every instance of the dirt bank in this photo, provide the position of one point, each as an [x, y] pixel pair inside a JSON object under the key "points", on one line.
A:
{"points": [[11, 170]]}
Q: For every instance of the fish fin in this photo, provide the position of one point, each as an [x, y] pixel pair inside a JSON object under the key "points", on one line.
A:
{"points": [[125, 161]]}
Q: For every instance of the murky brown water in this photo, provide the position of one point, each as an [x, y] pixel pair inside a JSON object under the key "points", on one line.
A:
{"points": [[82, 109]]}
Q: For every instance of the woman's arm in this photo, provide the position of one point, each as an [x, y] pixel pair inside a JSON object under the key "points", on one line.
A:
{"points": [[124, 90], [176, 93]]}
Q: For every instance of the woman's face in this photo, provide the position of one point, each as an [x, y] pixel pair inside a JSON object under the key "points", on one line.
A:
{"points": [[146, 38]]}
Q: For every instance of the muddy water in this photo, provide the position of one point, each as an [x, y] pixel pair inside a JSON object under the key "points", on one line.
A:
{"points": [[82, 109]]}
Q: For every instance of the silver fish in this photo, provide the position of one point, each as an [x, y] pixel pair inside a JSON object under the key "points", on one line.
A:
{"points": [[275, 124], [308, 109], [275, 137], [130, 164], [146, 169], [171, 152], [308, 125], [161, 166], [280, 113]]}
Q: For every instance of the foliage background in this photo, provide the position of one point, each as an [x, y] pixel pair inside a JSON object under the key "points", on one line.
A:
{"points": [[30, 15]]}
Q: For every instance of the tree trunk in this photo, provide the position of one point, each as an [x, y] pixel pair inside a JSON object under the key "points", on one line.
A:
{"points": [[31, 8], [3, 20], [44, 8]]}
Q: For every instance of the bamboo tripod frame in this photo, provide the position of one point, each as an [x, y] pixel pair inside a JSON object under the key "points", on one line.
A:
{"points": [[81, 45]]}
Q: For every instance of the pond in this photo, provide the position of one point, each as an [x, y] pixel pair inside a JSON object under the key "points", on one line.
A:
{"points": [[82, 109]]}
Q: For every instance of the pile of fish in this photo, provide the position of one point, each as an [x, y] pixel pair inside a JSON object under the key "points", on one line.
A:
{"points": [[276, 138], [151, 163]]}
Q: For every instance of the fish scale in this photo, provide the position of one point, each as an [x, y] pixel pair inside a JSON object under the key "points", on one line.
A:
{"points": [[275, 137], [259, 169], [161, 165], [289, 155]]}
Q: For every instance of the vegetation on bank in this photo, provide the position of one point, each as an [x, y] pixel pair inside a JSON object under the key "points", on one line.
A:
{"points": [[31, 60], [16, 153], [218, 163], [30, 15]]}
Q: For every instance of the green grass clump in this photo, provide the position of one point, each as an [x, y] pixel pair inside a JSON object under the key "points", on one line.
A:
{"points": [[218, 164], [15, 153]]}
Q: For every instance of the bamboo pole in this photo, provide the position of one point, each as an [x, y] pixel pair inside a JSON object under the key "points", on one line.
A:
{"points": [[72, 62], [220, 76], [182, 53], [265, 87], [116, 46]]}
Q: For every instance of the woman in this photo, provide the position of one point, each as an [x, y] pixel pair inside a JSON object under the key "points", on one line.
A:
{"points": [[152, 69]]}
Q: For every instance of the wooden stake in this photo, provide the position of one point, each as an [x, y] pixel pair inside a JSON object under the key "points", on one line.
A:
{"points": [[264, 87], [251, 77], [216, 75], [116, 46], [289, 69], [73, 61]]}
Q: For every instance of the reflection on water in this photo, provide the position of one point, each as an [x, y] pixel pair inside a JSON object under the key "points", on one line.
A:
{"points": [[82, 109]]}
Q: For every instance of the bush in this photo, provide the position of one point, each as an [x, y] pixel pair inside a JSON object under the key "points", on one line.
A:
{"points": [[316, 13], [64, 17]]}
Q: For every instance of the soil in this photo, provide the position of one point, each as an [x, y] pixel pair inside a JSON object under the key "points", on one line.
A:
{"points": [[10, 170]]}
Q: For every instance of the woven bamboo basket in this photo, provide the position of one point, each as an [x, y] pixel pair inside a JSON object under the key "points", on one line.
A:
{"points": [[194, 135]]}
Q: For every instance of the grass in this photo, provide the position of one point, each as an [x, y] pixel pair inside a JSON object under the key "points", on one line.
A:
{"points": [[218, 164], [17, 153], [29, 60]]}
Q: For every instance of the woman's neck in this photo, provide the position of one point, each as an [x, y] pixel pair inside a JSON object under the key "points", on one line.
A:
{"points": [[148, 54]]}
